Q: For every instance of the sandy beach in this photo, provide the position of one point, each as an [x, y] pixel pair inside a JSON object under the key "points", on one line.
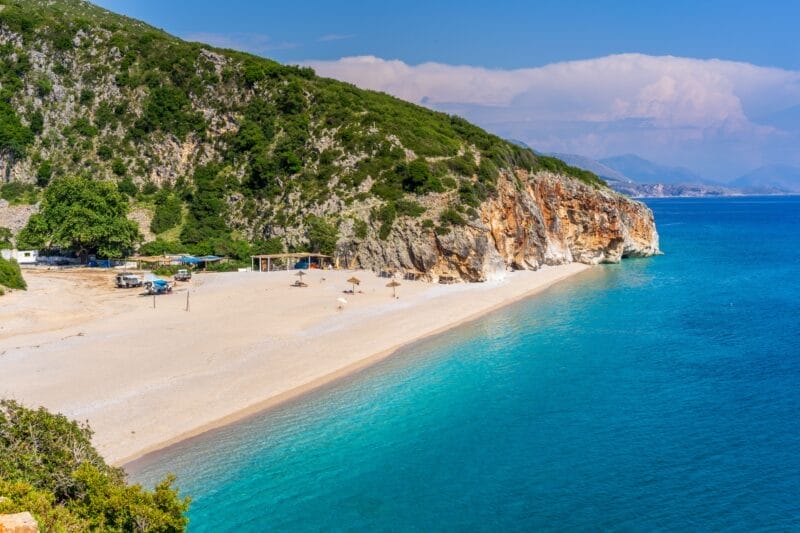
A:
{"points": [[147, 377]]}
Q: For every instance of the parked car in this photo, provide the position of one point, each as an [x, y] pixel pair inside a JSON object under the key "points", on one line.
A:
{"points": [[126, 280], [158, 286], [183, 275]]}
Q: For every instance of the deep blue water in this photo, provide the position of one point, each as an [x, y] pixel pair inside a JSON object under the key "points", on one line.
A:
{"points": [[661, 393]]}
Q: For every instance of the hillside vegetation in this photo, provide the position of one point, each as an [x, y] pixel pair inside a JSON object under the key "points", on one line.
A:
{"points": [[229, 152], [49, 468]]}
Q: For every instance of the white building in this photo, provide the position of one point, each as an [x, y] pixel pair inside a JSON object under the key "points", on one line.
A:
{"points": [[23, 257]]}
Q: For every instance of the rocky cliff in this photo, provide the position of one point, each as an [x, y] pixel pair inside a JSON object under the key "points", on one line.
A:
{"points": [[534, 219]]}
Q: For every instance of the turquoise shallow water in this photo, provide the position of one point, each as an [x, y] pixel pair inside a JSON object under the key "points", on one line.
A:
{"points": [[659, 393]]}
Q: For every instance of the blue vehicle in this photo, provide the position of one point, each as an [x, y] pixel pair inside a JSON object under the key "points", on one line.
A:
{"points": [[158, 286], [302, 265]]}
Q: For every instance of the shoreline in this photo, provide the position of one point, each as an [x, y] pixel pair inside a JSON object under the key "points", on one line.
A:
{"points": [[249, 344], [350, 371]]}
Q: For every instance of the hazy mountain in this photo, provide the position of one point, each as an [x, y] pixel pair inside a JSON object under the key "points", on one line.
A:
{"points": [[623, 183], [642, 170], [770, 179], [592, 165]]}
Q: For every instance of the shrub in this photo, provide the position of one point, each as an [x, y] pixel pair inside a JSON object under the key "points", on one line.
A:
{"points": [[14, 137], [5, 237], [118, 167], [360, 229], [105, 152], [44, 87], [17, 192], [49, 467], [168, 213], [409, 208], [86, 97], [161, 247], [127, 186], [11, 276], [44, 173], [451, 217]]}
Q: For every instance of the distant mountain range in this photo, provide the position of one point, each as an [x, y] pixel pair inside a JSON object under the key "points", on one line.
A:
{"points": [[642, 170], [640, 177], [636, 176], [770, 179]]}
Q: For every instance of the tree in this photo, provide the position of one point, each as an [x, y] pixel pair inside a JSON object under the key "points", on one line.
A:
{"points": [[84, 215], [168, 212], [206, 218], [322, 237]]}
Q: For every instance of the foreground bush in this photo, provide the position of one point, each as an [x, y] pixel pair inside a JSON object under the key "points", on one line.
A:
{"points": [[49, 468]]}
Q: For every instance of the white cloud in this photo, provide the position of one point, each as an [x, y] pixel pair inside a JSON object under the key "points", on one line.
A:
{"points": [[334, 37], [663, 107]]}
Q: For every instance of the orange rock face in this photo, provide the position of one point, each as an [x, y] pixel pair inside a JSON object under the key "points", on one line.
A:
{"points": [[532, 220], [548, 219]]}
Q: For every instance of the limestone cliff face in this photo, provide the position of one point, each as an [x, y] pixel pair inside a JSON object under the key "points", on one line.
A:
{"points": [[533, 220]]}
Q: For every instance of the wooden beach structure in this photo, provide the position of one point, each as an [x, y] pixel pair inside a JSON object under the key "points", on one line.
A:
{"points": [[271, 262]]}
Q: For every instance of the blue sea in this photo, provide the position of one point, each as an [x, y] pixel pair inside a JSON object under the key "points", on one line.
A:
{"points": [[661, 393]]}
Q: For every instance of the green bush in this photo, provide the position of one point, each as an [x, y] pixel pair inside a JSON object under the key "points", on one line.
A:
{"points": [[44, 173], [169, 109], [105, 152], [127, 186], [14, 137], [11, 275], [49, 467], [409, 208], [118, 167], [6, 237], [161, 247], [322, 237], [17, 192], [86, 97], [168, 213], [360, 229], [44, 87], [451, 217]]}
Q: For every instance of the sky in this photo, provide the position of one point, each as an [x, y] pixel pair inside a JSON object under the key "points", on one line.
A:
{"points": [[713, 86]]}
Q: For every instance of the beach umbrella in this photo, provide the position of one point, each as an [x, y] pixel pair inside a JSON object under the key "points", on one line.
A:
{"points": [[393, 284], [354, 281], [300, 274]]}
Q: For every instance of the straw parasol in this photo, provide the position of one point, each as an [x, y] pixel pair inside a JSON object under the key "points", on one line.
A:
{"points": [[354, 281], [393, 284], [299, 282]]}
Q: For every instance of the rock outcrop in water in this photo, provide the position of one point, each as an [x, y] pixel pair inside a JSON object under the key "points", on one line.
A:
{"points": [[534, 219]]}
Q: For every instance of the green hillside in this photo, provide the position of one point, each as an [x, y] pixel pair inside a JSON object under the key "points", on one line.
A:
{"points": [[226, 151]]}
